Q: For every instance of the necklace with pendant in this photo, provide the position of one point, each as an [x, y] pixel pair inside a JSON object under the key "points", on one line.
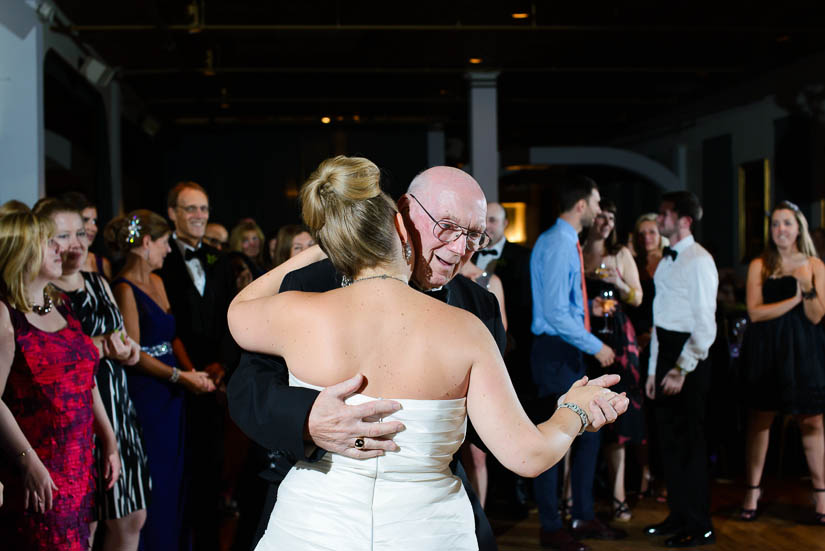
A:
{"points": [[47, 305], [382, 276]]}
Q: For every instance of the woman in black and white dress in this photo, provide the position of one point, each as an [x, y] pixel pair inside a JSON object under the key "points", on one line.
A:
{"points": [[123, 506]]}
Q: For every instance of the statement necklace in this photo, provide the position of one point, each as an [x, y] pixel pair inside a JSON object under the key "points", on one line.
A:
{"points": [[47, 305]]}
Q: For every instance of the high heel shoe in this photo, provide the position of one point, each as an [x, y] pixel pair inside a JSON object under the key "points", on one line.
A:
{"points": [[819, 518], [621, 511], [749, 515]]}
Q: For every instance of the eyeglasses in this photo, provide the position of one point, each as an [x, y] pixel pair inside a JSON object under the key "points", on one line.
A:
{"points": [[447, 232], [192, 209]]}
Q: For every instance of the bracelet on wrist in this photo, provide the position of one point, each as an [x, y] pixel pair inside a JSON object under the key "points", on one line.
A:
{"points": [[808, 295], [630, 296], [175, 375], [580, 412], [28, 451]]}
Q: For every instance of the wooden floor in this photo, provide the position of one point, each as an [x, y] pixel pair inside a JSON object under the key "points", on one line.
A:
{"points": [[783, 524]]}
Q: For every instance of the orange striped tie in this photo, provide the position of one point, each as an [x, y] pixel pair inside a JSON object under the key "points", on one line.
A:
{"points": [[584, 288]]}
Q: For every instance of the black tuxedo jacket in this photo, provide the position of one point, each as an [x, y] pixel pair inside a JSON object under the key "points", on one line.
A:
{"points": [[272, 413], [201, 320], [513, 267]]}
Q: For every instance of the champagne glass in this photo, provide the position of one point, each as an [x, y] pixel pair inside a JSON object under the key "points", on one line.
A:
{"points": [[608, 302], [601, 272]]}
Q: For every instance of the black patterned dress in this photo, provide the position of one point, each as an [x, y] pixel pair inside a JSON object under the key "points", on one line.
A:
{"points": [[99, 316], [622, 339]]}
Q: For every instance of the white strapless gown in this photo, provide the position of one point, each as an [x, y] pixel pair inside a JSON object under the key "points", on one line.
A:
{"points": [[404, 501]]}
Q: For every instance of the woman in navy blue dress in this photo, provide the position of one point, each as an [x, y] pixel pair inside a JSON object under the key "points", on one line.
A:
{"points": [[156, 386]]}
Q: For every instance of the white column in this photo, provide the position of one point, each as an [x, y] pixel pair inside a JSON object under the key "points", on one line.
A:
{"points": [[484, 131], [436, 147], [22, 142]]}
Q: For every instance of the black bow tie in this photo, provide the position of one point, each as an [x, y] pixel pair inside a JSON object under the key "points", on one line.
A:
{"points": [[667, 251], [483, 252], [442, 294], [198, 253]]}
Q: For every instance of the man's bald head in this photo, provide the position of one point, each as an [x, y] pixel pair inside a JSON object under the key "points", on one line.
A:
{"points": [[496, 222], [444, 193]]}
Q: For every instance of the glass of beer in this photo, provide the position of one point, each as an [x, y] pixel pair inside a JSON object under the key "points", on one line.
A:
{"points": [[608, 303]]}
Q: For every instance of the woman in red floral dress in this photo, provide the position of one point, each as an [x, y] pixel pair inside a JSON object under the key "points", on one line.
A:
{"points": [[50, 408]]}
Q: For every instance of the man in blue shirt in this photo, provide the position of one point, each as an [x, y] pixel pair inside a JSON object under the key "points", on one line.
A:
{"points": [[562, 337]]}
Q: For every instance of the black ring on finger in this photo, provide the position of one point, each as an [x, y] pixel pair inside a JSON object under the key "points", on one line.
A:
{"points": [[359, 443]]}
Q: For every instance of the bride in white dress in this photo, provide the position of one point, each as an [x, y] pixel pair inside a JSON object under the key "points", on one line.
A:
{"points": [[438, 362]]}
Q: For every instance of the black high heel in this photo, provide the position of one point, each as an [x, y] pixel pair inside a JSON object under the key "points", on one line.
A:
{"points": [[819, 518], [749, 515]]}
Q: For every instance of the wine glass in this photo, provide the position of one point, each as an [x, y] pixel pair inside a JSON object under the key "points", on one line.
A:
{"points": [[601, 272], [608, 302]]}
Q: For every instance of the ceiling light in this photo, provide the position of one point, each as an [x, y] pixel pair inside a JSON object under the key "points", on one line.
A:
{"points": [[475, 60], [356, 118], [326, 120], [520, 15]]}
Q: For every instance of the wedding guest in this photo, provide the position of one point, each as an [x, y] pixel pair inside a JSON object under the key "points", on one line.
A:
{"points": [[561, 326], [156, 385], [648, 245], [611, 273], [678, 375], [200, 283], [292, 239], [123, 507], [50, 408], [88, 212], [215, 235], [247, 238], [783, 352]]}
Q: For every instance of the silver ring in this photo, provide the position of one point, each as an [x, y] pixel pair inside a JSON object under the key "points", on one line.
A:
{"points": [[359, 443]]}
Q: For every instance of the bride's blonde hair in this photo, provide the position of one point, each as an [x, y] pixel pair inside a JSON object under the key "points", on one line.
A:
{"points": [[348, 214]]}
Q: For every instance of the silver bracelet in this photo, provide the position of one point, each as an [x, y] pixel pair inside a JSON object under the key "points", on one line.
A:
{"points": [[175, 375], [580, 412]]}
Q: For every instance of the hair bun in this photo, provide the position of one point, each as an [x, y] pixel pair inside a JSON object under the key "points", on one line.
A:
{"points": [[336, 182]]}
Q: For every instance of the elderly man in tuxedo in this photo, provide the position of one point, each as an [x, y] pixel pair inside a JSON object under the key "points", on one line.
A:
{"points": [[299, 423], [200, 285]]}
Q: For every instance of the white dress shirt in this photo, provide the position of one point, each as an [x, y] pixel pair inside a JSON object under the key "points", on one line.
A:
{"points": [[193, 265], [685, 301], [484, 260]]}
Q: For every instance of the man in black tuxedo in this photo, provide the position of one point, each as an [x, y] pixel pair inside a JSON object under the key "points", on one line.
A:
{"points": [[199, 285], [511, 262], [302, 424]]}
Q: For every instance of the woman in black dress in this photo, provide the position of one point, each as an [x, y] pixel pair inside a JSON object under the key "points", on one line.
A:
{"points": [[784, 350], [612, 274]]}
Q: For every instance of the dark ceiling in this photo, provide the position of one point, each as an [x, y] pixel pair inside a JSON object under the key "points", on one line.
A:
{"points": [[571, 72]]}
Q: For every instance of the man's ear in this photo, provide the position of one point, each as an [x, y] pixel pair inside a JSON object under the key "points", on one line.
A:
{"points": [[505, 223], [401, 227], [170, 212], [686, 222]]}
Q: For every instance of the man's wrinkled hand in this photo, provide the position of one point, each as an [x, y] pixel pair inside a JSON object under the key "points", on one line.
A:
{"points": [[335, 426]]}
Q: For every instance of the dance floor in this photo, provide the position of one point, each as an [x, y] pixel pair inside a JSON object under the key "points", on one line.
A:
{"points": [[784, 523]]}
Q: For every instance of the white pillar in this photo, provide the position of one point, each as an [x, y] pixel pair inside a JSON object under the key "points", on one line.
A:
{"points": [[484, 131], [22, 142], [436, 147]]}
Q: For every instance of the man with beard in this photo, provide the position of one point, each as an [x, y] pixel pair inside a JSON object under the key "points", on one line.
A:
{"points": [[561, 325]]}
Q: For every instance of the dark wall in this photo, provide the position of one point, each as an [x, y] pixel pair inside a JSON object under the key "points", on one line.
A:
{"points": [[256, 172], [718, 199]]}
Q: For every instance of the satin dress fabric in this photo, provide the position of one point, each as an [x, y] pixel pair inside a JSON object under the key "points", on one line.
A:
{"points": [[407, 500]]}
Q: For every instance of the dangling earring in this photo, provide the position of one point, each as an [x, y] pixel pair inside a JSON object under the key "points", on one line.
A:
{"points": [[407, 251]]}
